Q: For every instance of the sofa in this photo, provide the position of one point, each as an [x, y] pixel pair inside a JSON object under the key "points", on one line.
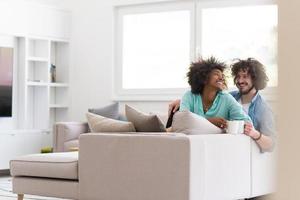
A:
{"points": [[145, 166]]}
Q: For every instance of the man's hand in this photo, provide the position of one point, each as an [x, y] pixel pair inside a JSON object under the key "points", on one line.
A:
{"points": [[250, 130], [218, 121], [174, 106]]}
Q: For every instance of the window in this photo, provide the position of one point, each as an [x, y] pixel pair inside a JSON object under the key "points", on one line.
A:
{"points": [[235, 32], [155, 43], [154, 47]]}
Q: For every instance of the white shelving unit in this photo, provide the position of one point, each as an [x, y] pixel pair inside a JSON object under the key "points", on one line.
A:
{"points": [[33, 29], [43, 102]]}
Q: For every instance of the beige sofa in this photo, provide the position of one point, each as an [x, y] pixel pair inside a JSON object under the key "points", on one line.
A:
{"points": [[66, 135], [146, 166]]}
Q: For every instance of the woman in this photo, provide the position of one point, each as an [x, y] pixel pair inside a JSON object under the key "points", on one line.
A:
{"points": [[207, 98]]}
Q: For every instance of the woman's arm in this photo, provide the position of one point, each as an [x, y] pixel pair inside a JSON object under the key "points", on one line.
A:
{"points": [[186, 102], [173, 106]]}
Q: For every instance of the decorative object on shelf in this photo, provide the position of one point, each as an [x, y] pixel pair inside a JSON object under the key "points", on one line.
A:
{"points": [[53, 73], [47, 150]]}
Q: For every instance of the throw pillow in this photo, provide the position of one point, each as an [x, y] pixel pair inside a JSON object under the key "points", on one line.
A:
{"points": [[190, 123], [99, 123], [110, 111], [144, 122]]}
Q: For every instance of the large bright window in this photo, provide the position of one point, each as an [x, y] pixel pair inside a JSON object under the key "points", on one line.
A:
{"points": [[155, 43], [156, 47], [242, 32]]}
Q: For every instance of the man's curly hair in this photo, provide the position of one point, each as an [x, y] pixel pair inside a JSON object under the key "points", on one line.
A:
{"points": [[199, 73], [254, 68]]}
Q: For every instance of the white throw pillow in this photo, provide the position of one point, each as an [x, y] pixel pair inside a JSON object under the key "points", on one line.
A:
{"points": [[190, 123]]}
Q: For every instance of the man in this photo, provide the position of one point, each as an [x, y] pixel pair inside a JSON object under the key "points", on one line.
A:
{"points": [[250, 77]]}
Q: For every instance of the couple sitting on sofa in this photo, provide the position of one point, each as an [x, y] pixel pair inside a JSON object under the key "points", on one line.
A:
{"points": [[208, 99]]}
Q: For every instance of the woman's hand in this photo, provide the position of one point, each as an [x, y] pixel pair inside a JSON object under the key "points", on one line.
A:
{"points": [[218, 121], [174, 106]]}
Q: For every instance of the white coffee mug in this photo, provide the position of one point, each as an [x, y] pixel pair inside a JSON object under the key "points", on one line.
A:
{"points": [[235, 127], [241, 126]]}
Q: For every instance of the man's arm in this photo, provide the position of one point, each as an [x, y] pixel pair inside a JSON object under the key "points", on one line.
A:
{"points": [[264, 142], [265, 136]]}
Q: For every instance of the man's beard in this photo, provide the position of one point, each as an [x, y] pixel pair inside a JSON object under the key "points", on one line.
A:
{"points": [[247, 92]]}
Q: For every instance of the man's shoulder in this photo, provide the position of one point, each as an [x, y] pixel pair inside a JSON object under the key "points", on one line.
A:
{"points": [[260, 100], [261, 104]]}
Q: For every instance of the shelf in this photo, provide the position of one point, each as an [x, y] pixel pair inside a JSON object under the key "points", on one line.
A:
{"points": [[58, 85], [57, 106], [38, 59], [44, 102], [34, 83]]}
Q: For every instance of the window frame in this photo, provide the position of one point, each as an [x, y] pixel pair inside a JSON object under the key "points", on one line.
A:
{"points": [[146, 94], [269, 93], [195, 7]]}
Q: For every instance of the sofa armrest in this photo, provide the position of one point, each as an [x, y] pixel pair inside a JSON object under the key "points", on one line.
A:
{"points": [[164, 167], [263, 171], [220, 166], [66, 131]]}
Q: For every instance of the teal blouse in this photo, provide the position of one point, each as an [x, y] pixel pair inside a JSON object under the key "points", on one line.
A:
{"points": [[224, 106]]}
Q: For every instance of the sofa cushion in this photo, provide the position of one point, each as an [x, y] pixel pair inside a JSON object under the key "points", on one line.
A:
{"points": [[99, 123], [144, 122], [50, 165], [110, 111], [190, 123]]}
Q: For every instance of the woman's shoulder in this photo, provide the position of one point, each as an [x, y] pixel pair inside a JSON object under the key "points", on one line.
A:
{"points": [[189, 96]]}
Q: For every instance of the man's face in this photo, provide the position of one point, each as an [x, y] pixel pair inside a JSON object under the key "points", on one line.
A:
{"points": [[243, 81]]}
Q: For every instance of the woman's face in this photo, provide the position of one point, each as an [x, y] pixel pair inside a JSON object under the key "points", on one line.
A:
{"points": [[216, 79]]}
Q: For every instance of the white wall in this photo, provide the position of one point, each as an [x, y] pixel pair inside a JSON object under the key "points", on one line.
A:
{"points": [[54, 3], [91, 58]]}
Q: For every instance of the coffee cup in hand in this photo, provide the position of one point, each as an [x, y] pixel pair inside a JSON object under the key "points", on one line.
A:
{"points": [[235, 127]]}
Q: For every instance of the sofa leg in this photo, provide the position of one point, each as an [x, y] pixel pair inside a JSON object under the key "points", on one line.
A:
{"points": [[20, 196]]}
